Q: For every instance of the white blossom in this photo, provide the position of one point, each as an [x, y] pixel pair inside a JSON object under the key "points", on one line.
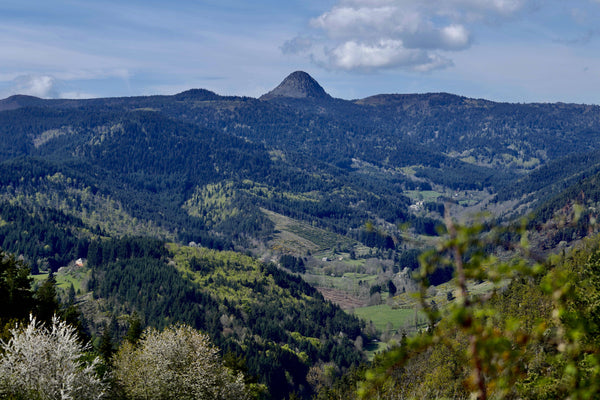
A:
{"points": [[177, 363], [47, 363]]}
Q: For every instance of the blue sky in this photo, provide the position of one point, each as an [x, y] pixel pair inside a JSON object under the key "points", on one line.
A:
{"points": [[503, 50]]}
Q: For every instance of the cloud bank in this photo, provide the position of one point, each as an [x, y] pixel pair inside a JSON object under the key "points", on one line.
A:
{"points": [[368, 35]]}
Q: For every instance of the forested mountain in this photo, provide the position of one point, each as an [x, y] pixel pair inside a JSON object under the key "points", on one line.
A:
{"points": [[160, 196], [298, 139]]}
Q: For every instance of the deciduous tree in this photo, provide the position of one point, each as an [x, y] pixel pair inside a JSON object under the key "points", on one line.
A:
{"points": [[177, 363], [41, 363]]}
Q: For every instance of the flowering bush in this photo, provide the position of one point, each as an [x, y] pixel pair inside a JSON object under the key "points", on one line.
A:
{"points": [[177, 363], [41, 362]]}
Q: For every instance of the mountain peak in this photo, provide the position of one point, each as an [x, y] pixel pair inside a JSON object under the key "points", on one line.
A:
{"points": [[298, 85]]}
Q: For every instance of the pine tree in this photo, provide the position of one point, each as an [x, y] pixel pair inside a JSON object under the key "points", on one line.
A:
{"points": [[46, 299], [15, 289], [71, 294], [392, 288], [135, 329], [106, 348]]}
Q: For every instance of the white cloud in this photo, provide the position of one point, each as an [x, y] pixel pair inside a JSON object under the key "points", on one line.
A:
{"points": [[455, 37], [484, 9], [345, 22], [408, 34], [36, 85], [77, 95], [43, 86], [384, 54]]}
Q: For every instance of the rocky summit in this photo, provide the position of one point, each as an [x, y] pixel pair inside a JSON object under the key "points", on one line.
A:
{"points": [[297, 85]]}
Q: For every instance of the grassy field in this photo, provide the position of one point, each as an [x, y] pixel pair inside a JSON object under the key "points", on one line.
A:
{"points": [[425, 195], [402, 315], [64, 279], [383, 316]]}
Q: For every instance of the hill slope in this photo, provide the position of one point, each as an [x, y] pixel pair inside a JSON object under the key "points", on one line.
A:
{"points": [[362, 184]]}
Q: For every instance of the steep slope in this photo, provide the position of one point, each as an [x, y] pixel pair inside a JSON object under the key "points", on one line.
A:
{"points": [[298, 85], [569, 214], [275, 322], [142, 163], [513, 136], [553, 177]]}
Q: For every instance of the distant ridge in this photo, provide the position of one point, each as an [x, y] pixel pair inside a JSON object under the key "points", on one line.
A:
{"points": [[197, 94], [297, 85], [18, 101]]}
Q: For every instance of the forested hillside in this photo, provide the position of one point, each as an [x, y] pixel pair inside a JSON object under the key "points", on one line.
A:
{"points": [[276, 323], [254, 220]]}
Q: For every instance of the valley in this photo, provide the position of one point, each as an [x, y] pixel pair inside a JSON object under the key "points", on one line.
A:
{"points": [[290, 228]]}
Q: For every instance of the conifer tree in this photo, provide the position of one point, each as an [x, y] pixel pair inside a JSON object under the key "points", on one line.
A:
{"points": [[15, 289], [46, 299]]}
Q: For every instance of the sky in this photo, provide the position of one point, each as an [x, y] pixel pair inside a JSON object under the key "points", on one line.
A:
{"points": [[503, 50]]}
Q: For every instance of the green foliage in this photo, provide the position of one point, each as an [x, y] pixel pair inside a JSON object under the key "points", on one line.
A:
{"points": [[166, 174], [553, 177], [75, 176], [19, 300], [537, 338], [294, 264], [16, 298], [298, 326], [45, 237], [134, 332], [106, 347], [372, 238], [147, 164], [391, 288], [569, 215], [574, 287], [46, 300]]}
